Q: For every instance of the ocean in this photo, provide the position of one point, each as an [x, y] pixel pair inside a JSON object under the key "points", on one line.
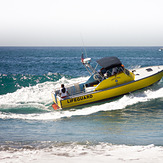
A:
{"points": [[126, 129]]}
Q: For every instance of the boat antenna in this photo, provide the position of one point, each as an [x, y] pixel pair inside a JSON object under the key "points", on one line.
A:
{"points": [[83, 46]]}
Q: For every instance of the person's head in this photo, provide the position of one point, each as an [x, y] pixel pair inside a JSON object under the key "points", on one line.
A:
{"points": [[62, 86]]}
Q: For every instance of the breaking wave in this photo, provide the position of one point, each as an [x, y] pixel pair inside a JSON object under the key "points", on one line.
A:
{"points": [[11, 82], [34, 102], [76, 152]]}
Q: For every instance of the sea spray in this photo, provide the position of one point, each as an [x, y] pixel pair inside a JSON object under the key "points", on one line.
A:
{"points": [[37, 96], [126, 100], [9, 83]]}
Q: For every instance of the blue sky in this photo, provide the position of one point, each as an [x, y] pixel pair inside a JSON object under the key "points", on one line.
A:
{"points": [[67, 22]]}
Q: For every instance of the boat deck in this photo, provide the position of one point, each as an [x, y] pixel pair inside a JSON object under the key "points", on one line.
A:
{"points": [[146, 72]]}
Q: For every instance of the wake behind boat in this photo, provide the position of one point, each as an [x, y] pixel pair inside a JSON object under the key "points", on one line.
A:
{"points": [[112, 80]]}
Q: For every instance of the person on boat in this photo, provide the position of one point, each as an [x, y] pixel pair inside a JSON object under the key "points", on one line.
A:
{"points": [[114, 71], [63, 91], [102, 71]]}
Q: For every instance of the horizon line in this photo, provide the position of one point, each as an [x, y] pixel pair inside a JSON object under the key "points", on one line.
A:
{"points": [[80, 46]]}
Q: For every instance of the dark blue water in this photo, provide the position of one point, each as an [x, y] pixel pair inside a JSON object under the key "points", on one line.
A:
{"points": [[29, 74]]}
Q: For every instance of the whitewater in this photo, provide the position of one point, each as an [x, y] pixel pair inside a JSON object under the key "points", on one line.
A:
{"points": [[74, 152], [39, 97]]}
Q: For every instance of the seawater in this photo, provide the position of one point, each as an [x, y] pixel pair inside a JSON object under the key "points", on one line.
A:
{"points": [[29, 124]]}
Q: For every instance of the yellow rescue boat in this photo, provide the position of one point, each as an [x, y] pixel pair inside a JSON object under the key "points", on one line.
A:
{"points": [[111, 81]]}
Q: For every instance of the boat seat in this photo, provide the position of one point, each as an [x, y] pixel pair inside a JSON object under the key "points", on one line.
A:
{"points": [[71, 90], [77, 88]]}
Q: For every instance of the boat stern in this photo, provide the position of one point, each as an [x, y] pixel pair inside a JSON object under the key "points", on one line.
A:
{"points": [[57, 103]]}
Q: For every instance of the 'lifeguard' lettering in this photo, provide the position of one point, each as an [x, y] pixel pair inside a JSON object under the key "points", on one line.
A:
{"points": [[79, 98]]}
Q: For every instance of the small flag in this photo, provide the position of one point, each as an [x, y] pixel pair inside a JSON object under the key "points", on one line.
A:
{"points": [[82, 58]]}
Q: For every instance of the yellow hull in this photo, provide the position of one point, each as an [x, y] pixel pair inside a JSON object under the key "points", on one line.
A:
{"points": [[111, 92]]}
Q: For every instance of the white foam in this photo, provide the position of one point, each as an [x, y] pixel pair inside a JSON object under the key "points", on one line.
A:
{"points": [[36, 96], [72, 153], [114, 105]]}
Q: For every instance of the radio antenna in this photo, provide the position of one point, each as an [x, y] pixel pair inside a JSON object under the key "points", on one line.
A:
{"points": [[83, 45]]}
